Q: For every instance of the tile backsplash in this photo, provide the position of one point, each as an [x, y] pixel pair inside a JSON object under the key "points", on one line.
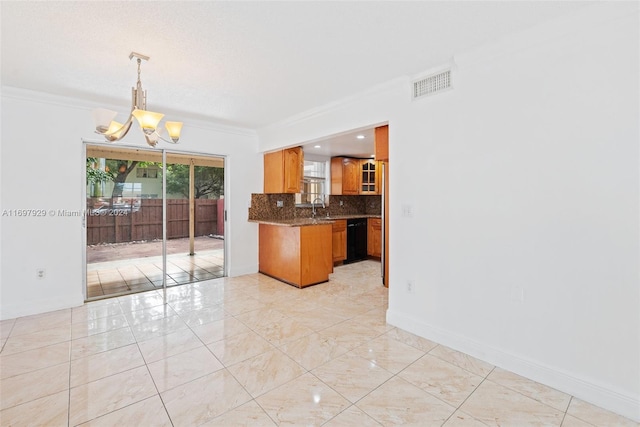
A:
{"points": [[265, 206]]}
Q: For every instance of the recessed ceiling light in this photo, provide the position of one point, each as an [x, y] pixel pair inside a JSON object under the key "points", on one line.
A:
{"points": [[317, 146], [360, 136]]}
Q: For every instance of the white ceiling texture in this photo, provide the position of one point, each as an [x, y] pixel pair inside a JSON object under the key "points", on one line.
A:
{"points": [[247, 64]]}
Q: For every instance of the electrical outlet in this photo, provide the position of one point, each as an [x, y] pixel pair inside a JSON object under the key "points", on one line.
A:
{"points": [[40, 273], [341, 203], [407, 211], [279, 204], [410, 287]]}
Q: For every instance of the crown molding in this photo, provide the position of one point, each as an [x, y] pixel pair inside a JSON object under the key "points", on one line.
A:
{"points": [[87, 105]]}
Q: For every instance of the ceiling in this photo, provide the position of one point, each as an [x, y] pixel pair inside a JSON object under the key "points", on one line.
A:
{"points": [[247, 64]]}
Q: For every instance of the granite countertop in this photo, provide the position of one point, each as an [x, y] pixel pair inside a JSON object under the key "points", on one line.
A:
{"points": [[299, 222]]}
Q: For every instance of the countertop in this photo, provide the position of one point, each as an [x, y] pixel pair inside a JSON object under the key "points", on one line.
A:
{"points": [[300, 222]]}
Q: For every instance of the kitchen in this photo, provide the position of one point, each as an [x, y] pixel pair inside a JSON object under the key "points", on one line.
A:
{"points": [[310, 222]]}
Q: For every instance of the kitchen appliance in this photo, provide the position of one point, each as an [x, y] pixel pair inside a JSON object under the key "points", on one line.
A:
{"points": [[356, 240]]}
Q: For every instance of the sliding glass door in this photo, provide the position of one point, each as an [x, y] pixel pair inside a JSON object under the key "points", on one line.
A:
{"points": [[124, 220]]}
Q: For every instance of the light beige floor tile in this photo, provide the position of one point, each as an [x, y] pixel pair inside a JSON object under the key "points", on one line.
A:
{"points": [[238, 348], [31, 360], [248, 415], [262, 316], [148, 314], [100, 397], [105, 364], [352, 376], [266, 371], [462, 360], [97, 326], [494, 404], [442, 379], [319, 319], [571, 421], [412, 340], [96, 310], [313, 350], [182, 368], [20, 343], [243, 305], [149, 412], [376, 318], [40, 322], [298, 307], [33, 385], [399, 402], [220, 329], [140, 301], [352, 416], [157, 328], [532, 389], [303, 401], [205, 315], [83, 347], [388, 353], [282, 331], [169, 345], [203, 399], [350, 334], [52, 410], [460, 419], [597, 416], [5, 327]]}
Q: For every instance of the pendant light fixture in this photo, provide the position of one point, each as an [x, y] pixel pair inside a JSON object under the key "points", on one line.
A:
{"points": [[148, 120]]}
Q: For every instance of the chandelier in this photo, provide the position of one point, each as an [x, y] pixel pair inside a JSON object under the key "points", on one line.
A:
{"points": [[148, 120]]}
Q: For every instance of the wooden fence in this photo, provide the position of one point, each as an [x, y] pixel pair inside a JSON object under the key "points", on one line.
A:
{"points": [[145, 221]]}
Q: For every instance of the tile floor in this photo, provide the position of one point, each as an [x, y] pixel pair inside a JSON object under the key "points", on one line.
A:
{"points": [[143, 274], [253, 351]]}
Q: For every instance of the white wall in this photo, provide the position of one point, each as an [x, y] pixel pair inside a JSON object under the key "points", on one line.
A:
{"points": [[523, 246], [42, 168]]}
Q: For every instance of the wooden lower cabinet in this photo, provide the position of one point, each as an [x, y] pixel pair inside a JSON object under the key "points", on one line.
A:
{"points": [[300, 256], [339, 240], [374, 237]]}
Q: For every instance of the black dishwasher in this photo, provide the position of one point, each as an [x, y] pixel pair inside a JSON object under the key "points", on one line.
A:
{"points": [[356, 240]]}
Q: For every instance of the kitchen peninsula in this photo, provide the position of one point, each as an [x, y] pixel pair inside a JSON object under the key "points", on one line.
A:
{"points": [[298, 249]]}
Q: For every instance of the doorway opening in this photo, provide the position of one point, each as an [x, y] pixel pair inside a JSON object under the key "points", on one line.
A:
{"points": [[126, 203]]}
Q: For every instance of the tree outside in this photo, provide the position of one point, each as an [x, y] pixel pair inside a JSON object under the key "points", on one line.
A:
{"points": [[209, 181]]}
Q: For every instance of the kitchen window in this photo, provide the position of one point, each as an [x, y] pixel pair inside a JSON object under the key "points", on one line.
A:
{"points": [[314, 182]]}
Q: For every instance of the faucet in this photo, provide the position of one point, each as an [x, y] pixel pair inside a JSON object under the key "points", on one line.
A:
{"points": [[313, 206]]}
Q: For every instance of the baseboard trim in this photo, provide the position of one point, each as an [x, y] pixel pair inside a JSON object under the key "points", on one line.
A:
{"points": [[582, 388], [40, 306]]}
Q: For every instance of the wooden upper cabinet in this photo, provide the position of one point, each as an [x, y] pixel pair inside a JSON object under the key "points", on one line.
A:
{"points": [[381, 138], [345, 176], [370, 171], [283, 171]]}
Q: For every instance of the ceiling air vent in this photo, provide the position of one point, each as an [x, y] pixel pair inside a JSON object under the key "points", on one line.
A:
{"points": [[432, 84]]}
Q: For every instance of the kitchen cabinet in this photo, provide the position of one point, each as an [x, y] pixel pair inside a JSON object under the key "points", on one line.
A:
{"points": [[345, 176], [339, 240], [374, 237], [381, 143], [351, 176], [283, 171], [298, 255], [370, 171]]}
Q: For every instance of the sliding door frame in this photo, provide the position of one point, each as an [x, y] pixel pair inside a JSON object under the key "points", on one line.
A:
{"points": [[165, 151]]}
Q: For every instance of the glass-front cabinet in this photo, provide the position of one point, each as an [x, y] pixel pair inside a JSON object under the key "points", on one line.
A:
{"points": [[369, 183]]}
